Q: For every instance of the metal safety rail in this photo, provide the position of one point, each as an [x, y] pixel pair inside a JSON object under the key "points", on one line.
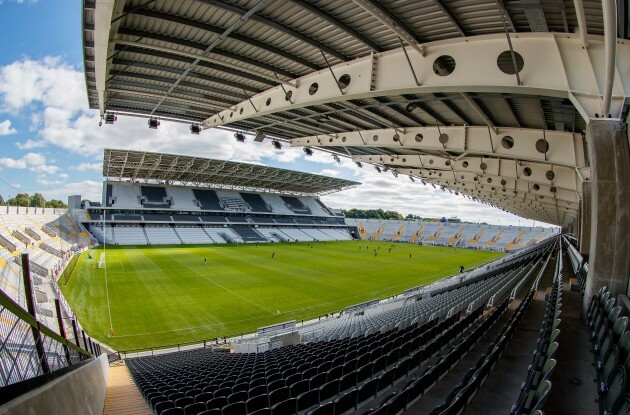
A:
{"points": [[28, 348]]}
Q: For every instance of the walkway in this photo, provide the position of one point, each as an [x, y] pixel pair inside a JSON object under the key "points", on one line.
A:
{"points": [[123, 397]]}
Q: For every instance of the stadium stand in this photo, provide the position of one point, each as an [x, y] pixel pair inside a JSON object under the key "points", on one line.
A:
{"points": [[343, 370], [255, 202], [50, 238], [154, 197], [207, 199]]}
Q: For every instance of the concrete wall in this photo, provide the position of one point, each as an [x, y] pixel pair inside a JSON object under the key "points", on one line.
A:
{"points": [[81, 391]]}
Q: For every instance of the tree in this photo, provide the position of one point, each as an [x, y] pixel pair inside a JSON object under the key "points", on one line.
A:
{"points": [[37, 200], [21, 199], [56, 203], [1, 201]]}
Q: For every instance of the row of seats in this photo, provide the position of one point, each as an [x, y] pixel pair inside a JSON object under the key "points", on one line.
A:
{"points": [[479, 286], [611, 349], [458, 398], [321, 377], [132, 196], [536, 386], [580, 268]]}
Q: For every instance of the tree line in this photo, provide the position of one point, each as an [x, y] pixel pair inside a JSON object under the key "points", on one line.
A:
{"points": [[372, 214], [36, 200]]}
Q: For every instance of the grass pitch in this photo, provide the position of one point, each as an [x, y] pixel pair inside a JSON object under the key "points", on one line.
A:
{"points": [[162, 295]]}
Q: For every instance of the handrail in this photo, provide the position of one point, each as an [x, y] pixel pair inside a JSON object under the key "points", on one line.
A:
{"points": [[19, 312]]}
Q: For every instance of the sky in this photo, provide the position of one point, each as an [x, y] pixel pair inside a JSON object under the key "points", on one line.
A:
{"points": [[50, 141]]}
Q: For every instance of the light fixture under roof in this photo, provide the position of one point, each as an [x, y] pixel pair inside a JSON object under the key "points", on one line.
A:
{"points": [[277, 144], [411, 106], [240, 137], [323, 118], [378, 169], [260, 136], [154, 123], [110, 118], [336, 158], [308, 151], [359, 164], [195, 129]]}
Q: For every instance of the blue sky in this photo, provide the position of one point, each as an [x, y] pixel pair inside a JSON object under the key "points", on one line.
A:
{"points": [[51, 142]]}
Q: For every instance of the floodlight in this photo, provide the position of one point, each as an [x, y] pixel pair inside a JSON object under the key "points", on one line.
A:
{"points": [[154, 123], [308, 151], [336, 158], [260, 136], [277, 144], [240, 137], [323, 118], [110, 118], [195, 129], [359, 164], [411, 106], [378, 169]]}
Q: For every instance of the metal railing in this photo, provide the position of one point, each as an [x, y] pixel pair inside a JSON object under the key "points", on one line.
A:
{"points": [[29, 348]]}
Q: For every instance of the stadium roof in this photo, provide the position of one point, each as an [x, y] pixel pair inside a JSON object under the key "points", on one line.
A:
{"points": [[198, 171], [488, 98]]}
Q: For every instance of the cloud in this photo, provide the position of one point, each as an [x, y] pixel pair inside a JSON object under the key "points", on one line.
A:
{"points": [[30, 144], [43, 180], [329, 172], [30, 160], [87, 166], [88, 189], [6, 129], [49, 81]]}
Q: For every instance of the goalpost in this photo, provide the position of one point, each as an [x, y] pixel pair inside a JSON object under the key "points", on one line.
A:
{"points": [[101, 261]]}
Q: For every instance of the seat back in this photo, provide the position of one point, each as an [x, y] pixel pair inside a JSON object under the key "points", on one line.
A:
{"points": [[541, 395], [616, 388]]}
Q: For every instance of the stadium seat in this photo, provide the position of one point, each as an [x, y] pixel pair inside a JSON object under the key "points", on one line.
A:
{"points": [[286, 407], [307, 400], [257, 402], [237, 397], [182, 402], [615, 390], [236, 408], [299, 388], [203, 397], [542, 391], [160, 407], [174, 411], [326, 409], [258, 390], [211, 412], [194, 408], [217, 403], [279, 395], [264, 411], [346, 402]]}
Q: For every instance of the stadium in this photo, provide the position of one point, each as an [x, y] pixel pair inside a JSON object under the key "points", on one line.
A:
{"points": [[197, 285]]}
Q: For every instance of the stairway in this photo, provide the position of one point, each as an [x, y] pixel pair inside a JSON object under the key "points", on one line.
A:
{"points": [[123, 397]]}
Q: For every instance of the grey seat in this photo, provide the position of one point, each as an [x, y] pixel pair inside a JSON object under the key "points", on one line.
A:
{"points": [[616, 388], [542, 391]]}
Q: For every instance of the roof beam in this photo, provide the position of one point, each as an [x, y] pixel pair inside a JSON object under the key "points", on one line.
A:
{"points": [[199, 87], [565, 148], [563, 56], [281, 28], [201, 47], [392, 22], [444, 8], [215, 79], [185, 57], [220, 31], [339, 24]]}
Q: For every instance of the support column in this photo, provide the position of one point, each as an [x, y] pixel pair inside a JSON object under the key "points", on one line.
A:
{"points": [[585, 221], [609, 262]]}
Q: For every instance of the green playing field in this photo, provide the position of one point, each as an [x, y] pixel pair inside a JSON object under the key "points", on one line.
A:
{"points": [[162, 295]]}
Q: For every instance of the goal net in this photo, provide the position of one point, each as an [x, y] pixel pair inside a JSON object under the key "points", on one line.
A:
{"points": [[101, 261]]}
